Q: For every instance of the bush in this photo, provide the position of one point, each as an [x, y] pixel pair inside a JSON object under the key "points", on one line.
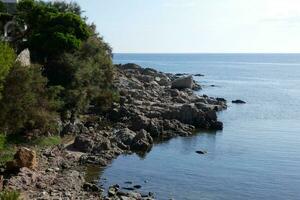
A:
{"points": [[86, 75], [26, 104], [7, 59], [9, 195]]}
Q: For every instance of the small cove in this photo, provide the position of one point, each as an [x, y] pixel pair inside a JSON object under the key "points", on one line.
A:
{"points": [[256, 156]]}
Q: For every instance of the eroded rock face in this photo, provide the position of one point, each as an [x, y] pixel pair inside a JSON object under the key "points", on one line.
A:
{"points": [[183, 83], [24, 157]]}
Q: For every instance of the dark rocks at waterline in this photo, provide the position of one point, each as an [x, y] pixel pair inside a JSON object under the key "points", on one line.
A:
{"points": [[238, 101], [137, 186], [90, 187], [198, 75], [201, 152]]}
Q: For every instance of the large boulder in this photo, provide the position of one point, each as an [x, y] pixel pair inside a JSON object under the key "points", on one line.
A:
{"points": [[24, 157], [83, 143], [183, 82]]}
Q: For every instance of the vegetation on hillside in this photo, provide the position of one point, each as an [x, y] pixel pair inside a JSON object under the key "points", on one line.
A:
{"points": [[72, 69], [7, 58]]}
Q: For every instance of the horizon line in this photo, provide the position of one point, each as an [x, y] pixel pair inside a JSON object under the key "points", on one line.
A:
{"points": [[206, 52]]}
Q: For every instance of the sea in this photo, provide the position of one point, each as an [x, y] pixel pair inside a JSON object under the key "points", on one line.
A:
{"points": [[256, 156]]}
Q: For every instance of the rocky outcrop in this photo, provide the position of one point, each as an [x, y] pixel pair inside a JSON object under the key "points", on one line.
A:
{"points": [[183, 83], [23, 158], [150, 108]]}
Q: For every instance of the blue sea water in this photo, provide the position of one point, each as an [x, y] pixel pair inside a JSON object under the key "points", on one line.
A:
{"points": [[256, 156]]}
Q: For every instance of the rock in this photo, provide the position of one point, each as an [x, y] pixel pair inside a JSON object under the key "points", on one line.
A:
{"points": [[216, 125], [24, 58], [142, 141], [24, 157], [90, 187], [130, 66], [221, 99], [196, 86], [201, 152], [112, 190], [183, 82], [125, 136], [238, 101], [198, 75], [83, 143], [137, 186]]}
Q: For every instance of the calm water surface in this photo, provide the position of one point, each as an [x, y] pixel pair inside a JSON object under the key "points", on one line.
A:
{"points": [[256, 156]]}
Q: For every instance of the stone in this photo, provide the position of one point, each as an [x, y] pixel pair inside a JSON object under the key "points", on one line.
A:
{"points": [[238, 101], [83, 143], [142, 141], [24, 58], [90, 187], [198, 75], [183, 82], [201, 152], [24, 157], [137, 186], [125, 136]]}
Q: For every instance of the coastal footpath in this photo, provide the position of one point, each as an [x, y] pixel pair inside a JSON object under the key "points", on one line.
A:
{"points": [[152, 106]]}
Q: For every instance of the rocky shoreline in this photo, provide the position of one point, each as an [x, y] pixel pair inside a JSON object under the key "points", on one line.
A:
{"points": [[152, 106]]}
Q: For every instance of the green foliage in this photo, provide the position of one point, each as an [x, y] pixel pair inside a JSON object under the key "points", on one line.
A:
{"points": [[2, 141], [6, 151], [26, 103], [7, 59], [47, 141], [2, 7], [86, 75], [52, 30], [9, 195]]}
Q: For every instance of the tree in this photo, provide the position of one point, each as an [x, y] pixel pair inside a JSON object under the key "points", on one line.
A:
{"points": [[51, 29], [7, 59], [86, 75], [27, 104], [2, 7]]}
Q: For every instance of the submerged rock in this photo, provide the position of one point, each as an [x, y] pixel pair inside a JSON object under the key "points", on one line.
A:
{"points": [[239, 101], [201, 152]]}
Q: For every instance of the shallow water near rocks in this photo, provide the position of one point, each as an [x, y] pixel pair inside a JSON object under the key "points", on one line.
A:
{"points": [[256, 156]]}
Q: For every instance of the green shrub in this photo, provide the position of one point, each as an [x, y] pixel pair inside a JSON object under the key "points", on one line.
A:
{"points": [[2, 141], [26, 103], [2, 7], [86, 75], [9, 195], [7, 59], [47, 141]]}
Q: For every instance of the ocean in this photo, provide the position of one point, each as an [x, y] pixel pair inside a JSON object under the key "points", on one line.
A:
{"points": [[256, 156]]}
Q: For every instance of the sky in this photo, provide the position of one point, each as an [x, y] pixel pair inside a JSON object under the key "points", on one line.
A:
{"points": [[197, 26]]}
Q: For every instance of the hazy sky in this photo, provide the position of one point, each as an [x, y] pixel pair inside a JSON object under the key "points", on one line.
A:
{"points": [[185, 26]]}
